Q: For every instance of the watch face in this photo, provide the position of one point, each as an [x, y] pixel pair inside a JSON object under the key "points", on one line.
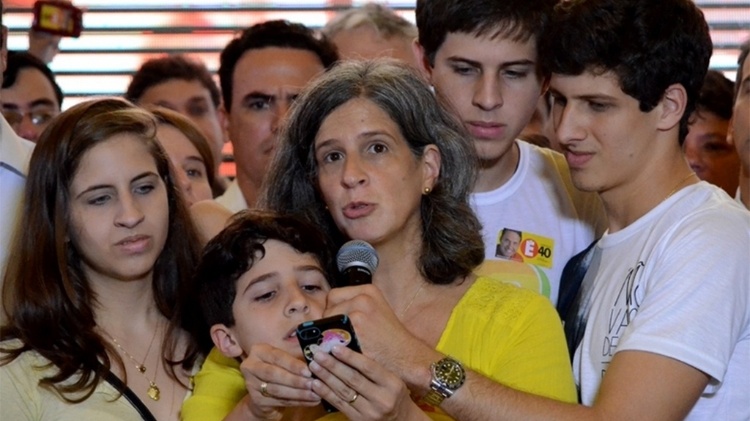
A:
{"points": [[450, 372]]}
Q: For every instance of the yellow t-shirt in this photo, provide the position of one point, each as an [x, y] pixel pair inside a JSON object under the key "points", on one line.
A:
{"points": [[508, 334], [218, 387]]}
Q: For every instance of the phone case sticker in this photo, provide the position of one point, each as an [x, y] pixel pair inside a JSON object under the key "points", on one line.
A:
{"points": [[328, 339]]}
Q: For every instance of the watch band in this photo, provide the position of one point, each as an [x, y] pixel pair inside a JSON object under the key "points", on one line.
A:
{"points": [[439, 388], [435, 397]]}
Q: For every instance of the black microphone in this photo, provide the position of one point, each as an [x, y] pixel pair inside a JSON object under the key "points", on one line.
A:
{"points": [[357, 260]]}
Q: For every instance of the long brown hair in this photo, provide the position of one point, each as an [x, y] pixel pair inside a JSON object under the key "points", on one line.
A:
{"points": [[47, 299]]}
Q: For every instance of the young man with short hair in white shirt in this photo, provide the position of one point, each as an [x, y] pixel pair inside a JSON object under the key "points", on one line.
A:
{"points": [[481, 56]]}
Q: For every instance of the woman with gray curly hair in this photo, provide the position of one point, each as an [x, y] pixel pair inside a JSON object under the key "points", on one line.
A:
{"points": [[369, 154]]}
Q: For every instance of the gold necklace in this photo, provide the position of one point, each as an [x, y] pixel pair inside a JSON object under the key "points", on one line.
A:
{"points": [[153, 390], [677, 186], [403, 312]]}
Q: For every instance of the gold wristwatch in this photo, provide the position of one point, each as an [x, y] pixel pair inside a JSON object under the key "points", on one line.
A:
{"points": [[447, 376]]}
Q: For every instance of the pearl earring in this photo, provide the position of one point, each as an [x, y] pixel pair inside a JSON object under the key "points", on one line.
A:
{"points": [[427, 190]]}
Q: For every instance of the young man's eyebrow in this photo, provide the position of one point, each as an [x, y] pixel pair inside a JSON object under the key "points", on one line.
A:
{"points": [[463, 60], [474, 63], [595, 97], [586, 97], [197, 99]]}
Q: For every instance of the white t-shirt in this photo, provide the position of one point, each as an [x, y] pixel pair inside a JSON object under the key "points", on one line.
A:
{"points": [[556, 221], [676, 282]]}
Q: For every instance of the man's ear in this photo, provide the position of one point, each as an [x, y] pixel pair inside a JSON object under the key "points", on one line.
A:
{"points": [[224, 339], [673, 104], [223, 119], [421, 58]]}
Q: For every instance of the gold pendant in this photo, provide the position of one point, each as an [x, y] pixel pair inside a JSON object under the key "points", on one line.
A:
{"points": [[153, 391], [141, 368]]}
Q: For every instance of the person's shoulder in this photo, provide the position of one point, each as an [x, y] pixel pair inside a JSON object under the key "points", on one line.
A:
{"points": [[217, 361], [701, 214], [504, 300], [15, 151], [209, 217], [11, 344], [28, 364], [710, 204]]}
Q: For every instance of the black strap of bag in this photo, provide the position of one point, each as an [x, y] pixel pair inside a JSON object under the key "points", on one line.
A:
{"points": [[130, 396]]}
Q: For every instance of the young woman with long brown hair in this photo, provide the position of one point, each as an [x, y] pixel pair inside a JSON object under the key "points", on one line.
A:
{"points": [[98, 275]]}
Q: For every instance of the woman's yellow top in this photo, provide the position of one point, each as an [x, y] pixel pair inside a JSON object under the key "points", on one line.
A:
{"points": [[511, 335]]}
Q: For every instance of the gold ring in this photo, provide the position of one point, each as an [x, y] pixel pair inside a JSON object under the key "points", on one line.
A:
{"points": [[354, 398], [264, 389]]}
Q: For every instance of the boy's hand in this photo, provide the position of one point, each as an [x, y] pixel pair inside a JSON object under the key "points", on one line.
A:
{"points": [[276, 379]]}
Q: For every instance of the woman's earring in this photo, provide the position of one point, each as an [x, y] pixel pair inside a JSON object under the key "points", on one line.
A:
{"points": [[427, 190]]}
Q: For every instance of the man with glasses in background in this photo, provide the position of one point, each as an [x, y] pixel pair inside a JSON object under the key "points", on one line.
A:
{"points": [[30, 96]]}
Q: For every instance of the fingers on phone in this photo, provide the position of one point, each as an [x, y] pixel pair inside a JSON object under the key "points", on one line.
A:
{"points": [[341, 383]]}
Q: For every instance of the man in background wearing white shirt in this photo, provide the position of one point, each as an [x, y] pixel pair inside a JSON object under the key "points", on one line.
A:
{"points": [[14, 160]]}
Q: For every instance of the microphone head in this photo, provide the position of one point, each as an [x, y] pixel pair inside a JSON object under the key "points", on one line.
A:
{"points": [[357, 253]]}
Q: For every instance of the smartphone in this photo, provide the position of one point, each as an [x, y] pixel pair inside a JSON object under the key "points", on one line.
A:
{"points": [[57, 18], [323, 335]]}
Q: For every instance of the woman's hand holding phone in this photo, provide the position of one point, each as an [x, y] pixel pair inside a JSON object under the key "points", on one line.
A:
{"points": [[353, 383], [380, 332], [361, 388]]}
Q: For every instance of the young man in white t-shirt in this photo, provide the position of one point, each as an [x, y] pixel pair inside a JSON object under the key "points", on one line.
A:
{"points": [[668, 333], [481, 57]]}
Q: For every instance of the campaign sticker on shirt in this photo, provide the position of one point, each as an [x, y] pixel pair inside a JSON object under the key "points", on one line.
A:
{"points": [[525, 247]]}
